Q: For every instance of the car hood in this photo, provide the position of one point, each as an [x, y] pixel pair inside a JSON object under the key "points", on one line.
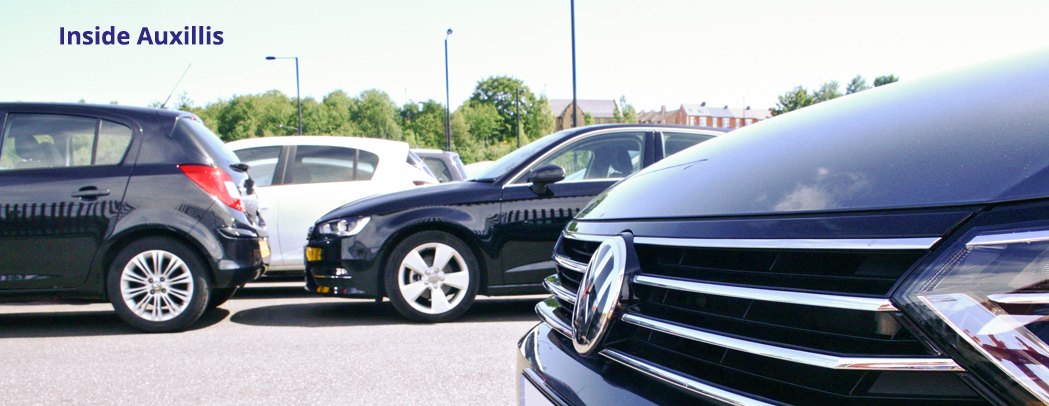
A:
{"points": [[974, 136], [452, 193]]}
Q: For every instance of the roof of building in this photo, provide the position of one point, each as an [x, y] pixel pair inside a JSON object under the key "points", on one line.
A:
{"points": [[713, 111]]}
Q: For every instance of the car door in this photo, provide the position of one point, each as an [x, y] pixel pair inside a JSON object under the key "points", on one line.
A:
{"points": [[316, 180], [62, 183], [532, 223]]}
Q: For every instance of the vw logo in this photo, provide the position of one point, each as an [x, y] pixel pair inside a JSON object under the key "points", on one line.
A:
{"points": [[598, 295]]}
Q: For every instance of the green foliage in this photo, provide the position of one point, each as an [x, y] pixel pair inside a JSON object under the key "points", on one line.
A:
{"points": [[629, 113], [856, 85], [793, 100], [424, 124], [500, 92], [800, 97], [588, 119], [884, 80]]}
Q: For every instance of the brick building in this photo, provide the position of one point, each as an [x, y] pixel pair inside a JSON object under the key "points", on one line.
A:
{"points": [[602, 111], [704, 116]]}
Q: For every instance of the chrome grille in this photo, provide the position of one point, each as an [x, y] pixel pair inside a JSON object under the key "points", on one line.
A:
{"points": [[781, 322]]}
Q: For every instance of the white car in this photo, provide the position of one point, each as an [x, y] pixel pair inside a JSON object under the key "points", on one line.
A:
{"points": [[300, 178]]}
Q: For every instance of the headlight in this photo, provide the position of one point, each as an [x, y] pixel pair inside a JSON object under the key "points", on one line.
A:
{"points": [[987, 297], [343, 227]]}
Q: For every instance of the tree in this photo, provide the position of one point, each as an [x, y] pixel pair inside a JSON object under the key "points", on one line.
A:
{"points": [[884, 80], [793, 100], [588, 119], [629, 113], [856, 85], [377, 115], [827, 91], [425, 121], [501, 93]]}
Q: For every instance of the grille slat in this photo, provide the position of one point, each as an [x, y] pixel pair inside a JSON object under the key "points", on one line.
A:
{"points": [[776, 322]]}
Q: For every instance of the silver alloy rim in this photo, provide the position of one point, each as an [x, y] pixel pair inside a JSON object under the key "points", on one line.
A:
{"points": [[156, 285], [433, 278]]}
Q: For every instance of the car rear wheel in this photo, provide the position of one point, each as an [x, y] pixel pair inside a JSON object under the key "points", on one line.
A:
{"points": [[432, 277], [157, 285]]}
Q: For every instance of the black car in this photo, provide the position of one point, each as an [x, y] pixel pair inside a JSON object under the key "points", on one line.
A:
{"points": [[432, 249], [143, 207], [887, 248]]}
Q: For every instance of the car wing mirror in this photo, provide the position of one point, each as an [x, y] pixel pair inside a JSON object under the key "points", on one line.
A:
{"points": [[540, 177]]}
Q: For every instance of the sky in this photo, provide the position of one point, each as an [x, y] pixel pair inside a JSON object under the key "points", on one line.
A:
{"points": [[656, 52]]}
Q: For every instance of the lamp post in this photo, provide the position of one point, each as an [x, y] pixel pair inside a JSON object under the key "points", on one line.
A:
{"points": [[298, 96], [575, 106], [447, 99]]}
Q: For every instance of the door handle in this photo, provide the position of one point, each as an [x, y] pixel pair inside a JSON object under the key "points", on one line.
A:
{"points": [[90, 192]]}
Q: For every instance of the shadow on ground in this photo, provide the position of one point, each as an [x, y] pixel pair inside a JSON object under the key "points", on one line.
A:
{"points": [[83, 324], [369, 313]]}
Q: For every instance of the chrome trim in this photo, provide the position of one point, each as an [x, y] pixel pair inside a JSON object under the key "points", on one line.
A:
{"points": [[544, 388], [1009, 238], [681, 381], [599, 292], [552, 284], [570, 263], [545, 310], [585, 237], [1020, 298], [819, 244], [767, 295], [642, 129], [791, 355]]}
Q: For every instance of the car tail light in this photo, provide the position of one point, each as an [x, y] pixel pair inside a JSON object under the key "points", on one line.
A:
{"points": [[422, 182], [215, 182]]}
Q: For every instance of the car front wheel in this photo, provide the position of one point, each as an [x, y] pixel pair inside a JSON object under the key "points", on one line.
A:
{"points": [[432, 277], [158, 285]]}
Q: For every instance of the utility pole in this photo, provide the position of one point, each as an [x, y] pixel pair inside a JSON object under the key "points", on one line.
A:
{"points": [[575, 107], [518, 118]]}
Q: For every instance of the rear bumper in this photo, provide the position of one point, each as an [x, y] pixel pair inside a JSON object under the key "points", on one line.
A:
{"points": [[242, 260]]}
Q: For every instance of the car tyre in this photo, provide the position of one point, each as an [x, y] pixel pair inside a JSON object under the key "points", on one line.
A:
{"points": [[158, 285], [219, 296], [432, 277]]}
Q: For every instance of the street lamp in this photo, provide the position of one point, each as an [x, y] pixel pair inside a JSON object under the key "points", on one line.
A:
{"points": [[297, 94], [447, 99], [575, 106]]}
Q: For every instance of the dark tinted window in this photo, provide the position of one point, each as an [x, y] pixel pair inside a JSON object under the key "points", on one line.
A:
{"points": [[262, 162], [51, 140], [319, 164], [439, 168], [603, 156], [676, 142]]}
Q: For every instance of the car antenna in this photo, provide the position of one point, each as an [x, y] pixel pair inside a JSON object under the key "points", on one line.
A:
{"points": [[176, 86]]}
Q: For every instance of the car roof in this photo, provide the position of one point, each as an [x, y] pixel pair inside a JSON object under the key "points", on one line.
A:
{"points": [[89, 107], [378, 146]]}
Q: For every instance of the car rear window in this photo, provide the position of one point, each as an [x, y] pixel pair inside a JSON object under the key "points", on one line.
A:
{"points": [[207, 140]]}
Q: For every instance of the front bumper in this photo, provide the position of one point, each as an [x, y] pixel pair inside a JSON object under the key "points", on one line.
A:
{"points": [[342, 267], [547, 361]]}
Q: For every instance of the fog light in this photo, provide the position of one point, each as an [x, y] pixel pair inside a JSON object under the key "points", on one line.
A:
{"points": [[341, 272], [313, 254]]}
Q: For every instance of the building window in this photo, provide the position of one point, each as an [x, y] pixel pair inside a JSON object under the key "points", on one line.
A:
{"points": [[703, 121]]}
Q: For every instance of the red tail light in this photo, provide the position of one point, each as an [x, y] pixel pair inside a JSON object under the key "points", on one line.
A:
{"points": [[216, 182], [421, 182]]}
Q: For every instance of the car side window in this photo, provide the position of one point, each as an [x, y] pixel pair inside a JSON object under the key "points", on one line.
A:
{"points": [[320, 164], [262, 163], [676, 142], [439, 168], [604, 156], [52, 140]]}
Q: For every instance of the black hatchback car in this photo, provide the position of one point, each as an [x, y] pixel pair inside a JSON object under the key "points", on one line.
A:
{"points": [[432, 249], [887, 248], [143, 207]]}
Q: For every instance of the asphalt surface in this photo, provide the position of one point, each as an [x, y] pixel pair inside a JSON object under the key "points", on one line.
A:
{"points": [[269, 345]]}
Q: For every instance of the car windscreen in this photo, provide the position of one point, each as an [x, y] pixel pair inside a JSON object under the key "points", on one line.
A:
{"points": [[513, 160]]}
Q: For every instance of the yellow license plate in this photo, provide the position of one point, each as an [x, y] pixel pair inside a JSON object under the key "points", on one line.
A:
{"points": [[264, 248], [313, 254]]}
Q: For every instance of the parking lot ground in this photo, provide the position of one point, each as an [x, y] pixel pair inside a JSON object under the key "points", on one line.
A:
{"points": [[272, 344]]}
